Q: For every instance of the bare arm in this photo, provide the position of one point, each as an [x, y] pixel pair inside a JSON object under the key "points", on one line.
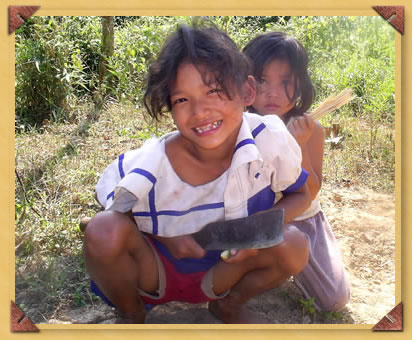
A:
{"points": [[310, 137], [295, 203]]}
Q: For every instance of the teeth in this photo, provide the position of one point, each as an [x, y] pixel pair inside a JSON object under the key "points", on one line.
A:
{"points": [[208, 127]]}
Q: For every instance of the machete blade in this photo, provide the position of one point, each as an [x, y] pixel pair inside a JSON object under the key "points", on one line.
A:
{"points": [[261, 230]]}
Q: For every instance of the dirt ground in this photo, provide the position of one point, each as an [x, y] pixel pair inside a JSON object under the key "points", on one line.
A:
{"points": [[364, 224]]}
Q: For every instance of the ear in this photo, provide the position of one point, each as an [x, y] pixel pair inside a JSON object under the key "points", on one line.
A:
{"points": [[249, 91]]}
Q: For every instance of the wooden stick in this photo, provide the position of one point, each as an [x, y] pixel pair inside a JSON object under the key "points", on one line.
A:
{"points": [[332, 103]]}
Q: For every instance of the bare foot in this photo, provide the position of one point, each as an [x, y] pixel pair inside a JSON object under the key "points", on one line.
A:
{"points": [[234, 313], [130, 318]]}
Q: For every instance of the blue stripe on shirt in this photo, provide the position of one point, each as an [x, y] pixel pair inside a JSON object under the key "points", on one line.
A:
{"points": [[121, 171], [261, 201], [142, 214], [153, 214], [197, 208], [258, 129], [144, 173], [111, 195], [243, 143], [151, 198], [298, 184], [181, 212], [255, 132]]}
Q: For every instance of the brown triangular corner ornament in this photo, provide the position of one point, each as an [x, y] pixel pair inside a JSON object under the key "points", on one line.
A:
{"points": [[17, 14], [393, 321], [395, 15], [19, 322]]}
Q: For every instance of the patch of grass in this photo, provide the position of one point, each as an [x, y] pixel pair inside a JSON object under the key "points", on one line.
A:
{"points": [[45, 284], [320, 317], [363, 157], [57, 168], [332, 316]]}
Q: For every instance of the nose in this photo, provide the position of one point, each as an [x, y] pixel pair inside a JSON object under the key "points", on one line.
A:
{"points": [[269, 89], [200, 108], [275, 90]]}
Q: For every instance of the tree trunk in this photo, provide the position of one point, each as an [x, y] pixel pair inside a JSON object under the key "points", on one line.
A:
{"points": [[107, 51]]}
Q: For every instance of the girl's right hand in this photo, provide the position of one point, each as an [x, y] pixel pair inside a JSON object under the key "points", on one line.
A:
{"points": [[302, 129], [182, 246], [240, 255]]}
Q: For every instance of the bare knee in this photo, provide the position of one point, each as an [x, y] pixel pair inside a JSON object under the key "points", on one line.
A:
{"points": [[292, 254], [107, 234]]}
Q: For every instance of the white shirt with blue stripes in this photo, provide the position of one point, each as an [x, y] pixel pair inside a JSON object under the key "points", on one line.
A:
{"points": [[266, 163]]}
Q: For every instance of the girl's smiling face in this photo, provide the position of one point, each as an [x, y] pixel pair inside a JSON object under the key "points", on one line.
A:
{"points": [[202, 112], [275, 89]]}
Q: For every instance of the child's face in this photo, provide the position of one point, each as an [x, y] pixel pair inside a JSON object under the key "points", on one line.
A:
{"points": [[274, 89], [202, 113]]}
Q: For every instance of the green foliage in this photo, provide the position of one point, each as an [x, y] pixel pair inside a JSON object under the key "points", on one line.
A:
{"points": [[308, 306], [137, 42], [309, 309], [330, 316], [56, 63]]}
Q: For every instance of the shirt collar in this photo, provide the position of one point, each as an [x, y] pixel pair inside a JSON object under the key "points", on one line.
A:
{"points": [[246, 150]]}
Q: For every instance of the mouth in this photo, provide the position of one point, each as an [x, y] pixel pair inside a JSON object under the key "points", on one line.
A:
{"points": [[271, 106], [207, 128]]}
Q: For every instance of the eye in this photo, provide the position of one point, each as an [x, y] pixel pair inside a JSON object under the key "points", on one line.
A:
{"points": [[179, 100], [262, 81], [216, 90]]}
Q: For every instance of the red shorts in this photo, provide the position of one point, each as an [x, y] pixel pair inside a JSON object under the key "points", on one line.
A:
{"points": [[176, 286], [173, 285]]}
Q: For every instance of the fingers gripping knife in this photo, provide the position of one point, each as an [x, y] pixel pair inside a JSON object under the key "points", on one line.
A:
{"points": [[261, 230]]}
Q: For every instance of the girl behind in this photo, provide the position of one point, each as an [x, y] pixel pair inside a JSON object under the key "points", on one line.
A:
{"points": [[284, 88]]}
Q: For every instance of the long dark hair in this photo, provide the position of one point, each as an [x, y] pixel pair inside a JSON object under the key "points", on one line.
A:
{"points": [[270, 46]]}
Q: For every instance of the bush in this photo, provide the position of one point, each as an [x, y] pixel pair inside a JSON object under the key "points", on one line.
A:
{"points": [[56, 63], [137, 42]]}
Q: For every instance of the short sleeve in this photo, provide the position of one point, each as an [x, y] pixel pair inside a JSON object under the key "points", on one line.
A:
{"points": [[129, 177], [116, 183], [285, 157], [108, 180], [298, 183]]}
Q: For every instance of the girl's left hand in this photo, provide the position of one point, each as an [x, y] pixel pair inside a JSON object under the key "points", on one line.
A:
{"points": [[302, 129]]}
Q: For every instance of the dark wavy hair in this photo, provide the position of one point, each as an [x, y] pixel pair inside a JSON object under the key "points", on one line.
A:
{"points": [[270, 46], [202, 44]]}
